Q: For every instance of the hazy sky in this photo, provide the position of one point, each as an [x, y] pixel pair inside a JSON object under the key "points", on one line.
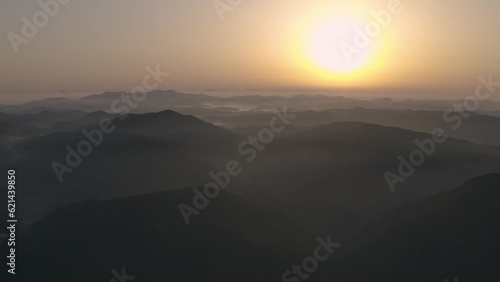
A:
{"points": [[431, 48]]}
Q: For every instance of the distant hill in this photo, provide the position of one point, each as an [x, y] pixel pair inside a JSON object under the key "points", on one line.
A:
{"points": [[146, 153], [16, 128], [492, 113], [50, 104], [186, 103], [477, 128]]}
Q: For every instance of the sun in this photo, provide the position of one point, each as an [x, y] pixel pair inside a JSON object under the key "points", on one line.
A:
{"points": [[325, 37], [328, 47]]}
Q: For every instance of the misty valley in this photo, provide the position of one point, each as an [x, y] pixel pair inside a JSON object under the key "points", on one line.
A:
{"points": [[144, 193]]}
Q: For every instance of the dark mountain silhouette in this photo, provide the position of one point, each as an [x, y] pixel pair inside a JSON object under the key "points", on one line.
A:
{"points": [[233, 240], [452, 234], [313, 176], [327, 179]]}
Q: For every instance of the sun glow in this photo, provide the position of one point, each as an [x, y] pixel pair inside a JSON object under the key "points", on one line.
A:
{"points": [[326, 49], [323, 40]]}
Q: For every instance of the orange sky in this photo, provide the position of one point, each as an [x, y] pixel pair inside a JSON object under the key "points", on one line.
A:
{"points": [[105, 45]]}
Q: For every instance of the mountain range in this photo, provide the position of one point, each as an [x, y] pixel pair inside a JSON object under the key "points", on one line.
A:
{"points": [[451, 234], [324, 175], [184, 102]]}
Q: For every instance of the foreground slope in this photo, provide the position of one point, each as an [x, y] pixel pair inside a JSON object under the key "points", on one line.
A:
{"points": [[232, 240], [451, 234]]}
